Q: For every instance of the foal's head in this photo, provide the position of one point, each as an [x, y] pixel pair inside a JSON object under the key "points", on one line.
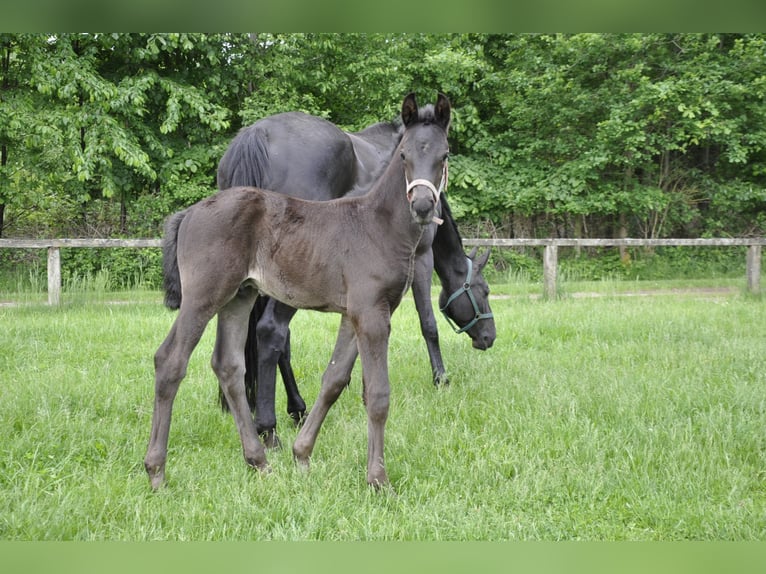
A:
{"points": [[424, 152]]}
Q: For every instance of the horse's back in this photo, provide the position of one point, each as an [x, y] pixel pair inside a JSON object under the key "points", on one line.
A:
{"points": [[293, 153]]}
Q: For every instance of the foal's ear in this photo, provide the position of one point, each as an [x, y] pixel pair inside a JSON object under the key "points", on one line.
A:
{"points": [[409, 109], [442, 111]]}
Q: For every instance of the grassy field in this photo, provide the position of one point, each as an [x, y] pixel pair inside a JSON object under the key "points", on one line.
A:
{"points": [[592, 418]]}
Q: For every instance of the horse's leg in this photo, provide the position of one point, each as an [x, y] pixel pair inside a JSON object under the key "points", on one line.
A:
{"points": [[373, 328], [272, 335], [336, 377], [170, 362], [251, 357], [296, 406], [421, 291], [229, 365]]}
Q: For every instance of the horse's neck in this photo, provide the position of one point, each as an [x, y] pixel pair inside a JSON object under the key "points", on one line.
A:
{"points": [[373, 150], [384, 137], [449, 258]]}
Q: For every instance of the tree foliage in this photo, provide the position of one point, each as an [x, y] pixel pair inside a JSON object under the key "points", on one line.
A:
{"points": [[565, 134]]}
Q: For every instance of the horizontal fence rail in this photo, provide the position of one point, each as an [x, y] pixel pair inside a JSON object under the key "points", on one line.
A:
{"points": [[550, 255], [54, 254]]}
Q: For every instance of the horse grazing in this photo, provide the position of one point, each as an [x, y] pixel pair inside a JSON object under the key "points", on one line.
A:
{"points": [[354, 256], [311, 158]]}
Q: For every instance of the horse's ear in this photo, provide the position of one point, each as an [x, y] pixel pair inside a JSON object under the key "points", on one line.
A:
{"points": [[409, 109], [472, 253], [481, 261], [442, 111]]}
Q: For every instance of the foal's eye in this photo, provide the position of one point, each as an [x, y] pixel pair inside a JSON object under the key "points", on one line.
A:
{"points": [[402, 154]]}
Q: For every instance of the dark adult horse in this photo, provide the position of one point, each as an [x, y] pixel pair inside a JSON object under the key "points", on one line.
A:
{"points": [[308, 157], [354, 256]]}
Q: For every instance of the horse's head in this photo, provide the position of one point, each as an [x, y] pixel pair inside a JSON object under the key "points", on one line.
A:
{"points": [[467, 308], [424, 152]]}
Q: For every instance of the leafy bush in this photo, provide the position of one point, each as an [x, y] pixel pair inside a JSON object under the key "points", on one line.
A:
{"points": [[125, 267], [593, 264]]}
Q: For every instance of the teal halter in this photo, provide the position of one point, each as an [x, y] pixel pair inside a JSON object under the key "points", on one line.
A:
{"points": [[466, 288]]}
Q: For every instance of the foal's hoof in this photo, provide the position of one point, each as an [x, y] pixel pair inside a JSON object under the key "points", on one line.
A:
{"points": [[302, 464], [379, 483], [156, 476], [301, 456]]}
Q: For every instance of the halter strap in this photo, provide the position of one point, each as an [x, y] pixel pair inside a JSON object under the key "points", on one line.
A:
{"points": [[435, 192], [466, 288]]}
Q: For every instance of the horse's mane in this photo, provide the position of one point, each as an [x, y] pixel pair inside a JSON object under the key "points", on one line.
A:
{"points": [[395, 126], [447, 217], [425, 116]]}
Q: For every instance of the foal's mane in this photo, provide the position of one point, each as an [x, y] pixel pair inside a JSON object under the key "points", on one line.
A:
{"points": [[426, 114]]}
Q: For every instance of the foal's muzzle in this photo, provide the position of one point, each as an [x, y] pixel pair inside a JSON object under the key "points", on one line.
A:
{"points": [[424, 205]]}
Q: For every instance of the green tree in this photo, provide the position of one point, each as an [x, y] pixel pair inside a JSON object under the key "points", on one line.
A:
{"points": [[124, 115], [564, 134]]}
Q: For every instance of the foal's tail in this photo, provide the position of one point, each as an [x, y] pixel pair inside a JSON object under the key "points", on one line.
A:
{"points": [[171, 276]]}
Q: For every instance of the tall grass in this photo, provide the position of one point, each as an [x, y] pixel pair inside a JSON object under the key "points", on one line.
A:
{"points": [[605, 418]]}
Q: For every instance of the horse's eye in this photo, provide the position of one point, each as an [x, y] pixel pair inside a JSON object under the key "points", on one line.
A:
{"points": [[446, 157], [402, 154]]}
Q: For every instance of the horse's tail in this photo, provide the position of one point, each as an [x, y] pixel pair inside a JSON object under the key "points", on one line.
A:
{"points": [[171, 276], [243, 162]]}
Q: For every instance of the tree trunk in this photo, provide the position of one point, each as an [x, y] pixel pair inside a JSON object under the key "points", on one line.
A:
{"points": [[521, 227], [123, 215], [3, 162]]}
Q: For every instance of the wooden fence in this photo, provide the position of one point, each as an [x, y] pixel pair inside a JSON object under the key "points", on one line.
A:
{"points": [[54, 254], [550, 255]]}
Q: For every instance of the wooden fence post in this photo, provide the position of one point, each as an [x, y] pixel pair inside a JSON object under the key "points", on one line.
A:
{"points": [[753, 269], [54, 276], [550, 265]]}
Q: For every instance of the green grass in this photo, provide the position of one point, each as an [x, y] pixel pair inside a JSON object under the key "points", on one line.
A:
{"points": [[601, 418]]}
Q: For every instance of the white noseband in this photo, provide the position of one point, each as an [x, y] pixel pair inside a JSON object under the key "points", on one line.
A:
{"points": [[435, 192]]}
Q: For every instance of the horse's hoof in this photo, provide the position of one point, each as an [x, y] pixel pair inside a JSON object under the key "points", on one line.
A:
{"points": [[298, 418], [271, 440], [441, 380]]}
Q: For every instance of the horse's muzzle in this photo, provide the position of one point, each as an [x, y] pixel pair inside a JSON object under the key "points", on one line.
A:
{"points": [[482, 343]]}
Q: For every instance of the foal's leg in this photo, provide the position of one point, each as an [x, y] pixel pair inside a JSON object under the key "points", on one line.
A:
{"points": [[228, 362], [272, 335], [170, 362], [421, 291], [335, 378], [372, 330]]}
